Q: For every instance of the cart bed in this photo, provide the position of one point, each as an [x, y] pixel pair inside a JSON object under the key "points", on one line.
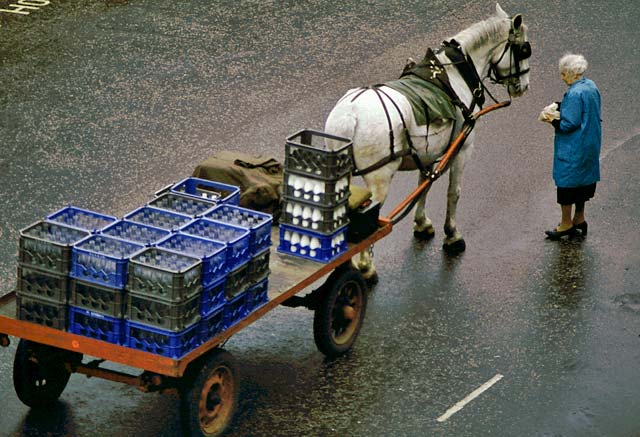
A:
{"points": [[289, 275]]}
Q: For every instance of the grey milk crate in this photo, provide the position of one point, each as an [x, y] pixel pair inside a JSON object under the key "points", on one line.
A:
{"points": [[258, 268], [182, 204], [43, 312], [306, 153], [136, 232], [39, 284], [47, 246], [169, 316], [316, 218], [237, 282], [97, 298], [164, 274], [327, 193], [159, 218]]}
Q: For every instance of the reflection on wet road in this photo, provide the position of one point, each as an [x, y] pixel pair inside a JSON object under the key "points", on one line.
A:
{"points": [[104, 102]]}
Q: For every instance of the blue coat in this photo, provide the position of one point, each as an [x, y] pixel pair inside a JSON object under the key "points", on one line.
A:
{"points": [[576, 148]]}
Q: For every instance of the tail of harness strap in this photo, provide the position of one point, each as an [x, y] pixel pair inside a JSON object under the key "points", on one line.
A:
{"points": [[393, 155]]}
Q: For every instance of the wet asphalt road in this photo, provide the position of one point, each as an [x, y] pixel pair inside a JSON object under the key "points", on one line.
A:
{"points": [[104, 102]]}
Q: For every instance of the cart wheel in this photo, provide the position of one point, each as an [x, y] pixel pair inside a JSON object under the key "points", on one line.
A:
{"points": [[210, 396], [39, 372], [340, 312]]}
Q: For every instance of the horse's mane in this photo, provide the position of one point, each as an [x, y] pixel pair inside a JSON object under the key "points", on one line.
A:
{"points": [[493, 29]]}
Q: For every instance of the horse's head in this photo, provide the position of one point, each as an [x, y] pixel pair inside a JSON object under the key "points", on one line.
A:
{"points": [[510, 64]]}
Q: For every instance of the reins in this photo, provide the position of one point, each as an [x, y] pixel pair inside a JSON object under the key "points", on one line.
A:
{"points": [[407, 204]]}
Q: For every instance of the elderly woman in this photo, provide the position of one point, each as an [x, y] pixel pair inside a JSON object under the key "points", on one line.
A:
{"points": [[576, 153]]}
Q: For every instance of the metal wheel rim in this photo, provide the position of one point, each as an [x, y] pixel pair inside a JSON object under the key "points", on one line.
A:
{"points": [[345, 314], [216, 400]]}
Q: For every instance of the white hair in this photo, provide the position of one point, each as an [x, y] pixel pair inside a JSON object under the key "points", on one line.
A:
{"points": [[573, 64]]}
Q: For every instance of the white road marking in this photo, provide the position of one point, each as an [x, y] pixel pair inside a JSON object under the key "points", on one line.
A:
{"points": [[474, 394]]}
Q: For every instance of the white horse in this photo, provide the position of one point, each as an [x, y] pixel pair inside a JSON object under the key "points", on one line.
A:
{"points": [[499, 49]]}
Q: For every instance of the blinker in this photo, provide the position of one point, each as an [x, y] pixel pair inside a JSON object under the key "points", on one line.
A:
{"points": [[522, 51]]}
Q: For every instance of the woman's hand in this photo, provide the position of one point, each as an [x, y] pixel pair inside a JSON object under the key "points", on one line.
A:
{"points": [[550, 113]]}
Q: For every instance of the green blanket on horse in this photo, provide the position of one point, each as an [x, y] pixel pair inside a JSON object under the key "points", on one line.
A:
{"points": [[424, 96], [419, 83]]}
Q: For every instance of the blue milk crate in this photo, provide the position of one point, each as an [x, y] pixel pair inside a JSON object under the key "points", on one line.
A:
{"points": [[258, 295], [47, 246], [212, 297], [161, 342], [212, 253], [182, 204], [159, 218], [210, 190], [165, 275], [258, 224], [212, 325], [235, 237], [312, 245], [95, 325], [136, 232], [81, 218], [102, 260], [236, 310]]}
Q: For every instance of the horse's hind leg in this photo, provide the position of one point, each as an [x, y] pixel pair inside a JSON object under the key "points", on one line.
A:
{"points": [[378, 182], [423, 227]]}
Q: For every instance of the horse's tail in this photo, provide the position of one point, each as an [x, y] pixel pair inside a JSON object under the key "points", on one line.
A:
{"points": [[341, 122]]}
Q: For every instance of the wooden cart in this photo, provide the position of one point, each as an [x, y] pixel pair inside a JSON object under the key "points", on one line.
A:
{"points": [[206, 378]]}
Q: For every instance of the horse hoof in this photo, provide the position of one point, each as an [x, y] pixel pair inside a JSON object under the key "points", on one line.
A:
{"points": [[455, 248], [425, 235], [372, 280]]}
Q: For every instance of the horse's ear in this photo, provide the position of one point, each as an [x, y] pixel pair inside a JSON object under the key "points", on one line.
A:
{"points": [[500, 12], [516, 23]]}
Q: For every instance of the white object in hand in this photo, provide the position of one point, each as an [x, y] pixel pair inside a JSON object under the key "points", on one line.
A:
{"points": [[550, 113]]}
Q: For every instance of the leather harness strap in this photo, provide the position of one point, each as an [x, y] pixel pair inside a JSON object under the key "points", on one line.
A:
{"points": [[431, 70], [467, 69], [393, 155]]}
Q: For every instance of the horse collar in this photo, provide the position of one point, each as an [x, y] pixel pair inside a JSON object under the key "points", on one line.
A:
{"points": [[432, 70], [467, 69]]}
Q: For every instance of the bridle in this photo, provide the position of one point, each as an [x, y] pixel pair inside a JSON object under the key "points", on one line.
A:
{"points": [[432, 70], [521, 50]]}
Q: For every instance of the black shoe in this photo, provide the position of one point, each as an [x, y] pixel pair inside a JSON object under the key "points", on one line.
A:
{"points": [[582, 227], [554, 234]]}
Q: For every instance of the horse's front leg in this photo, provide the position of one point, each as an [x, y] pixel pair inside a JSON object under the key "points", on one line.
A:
{"points": [[454, 243], [422, 227]]}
